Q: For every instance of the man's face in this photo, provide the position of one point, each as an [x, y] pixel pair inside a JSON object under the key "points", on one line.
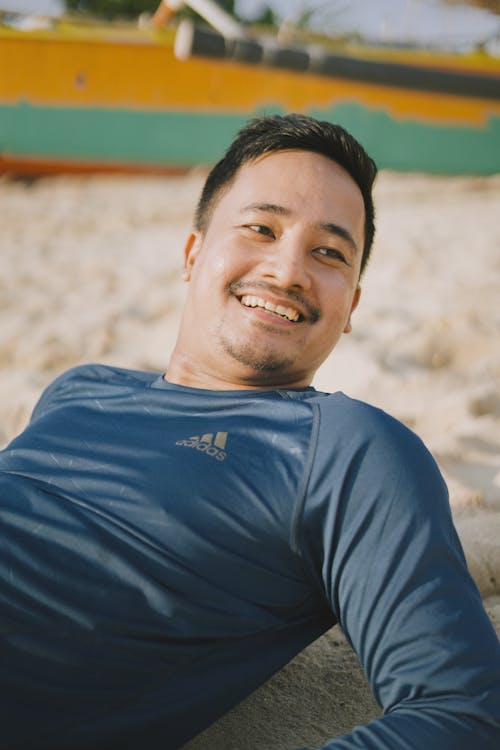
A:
{"points": [[274, 279]]}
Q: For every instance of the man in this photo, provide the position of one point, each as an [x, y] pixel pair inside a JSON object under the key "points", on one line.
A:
{"points": [[170, 542]]}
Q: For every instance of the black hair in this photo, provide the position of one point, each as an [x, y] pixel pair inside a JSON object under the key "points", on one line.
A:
{"points": [[293, 131]]}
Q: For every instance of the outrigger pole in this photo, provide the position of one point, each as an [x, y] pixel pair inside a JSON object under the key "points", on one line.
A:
{"points": [[210, 11]]}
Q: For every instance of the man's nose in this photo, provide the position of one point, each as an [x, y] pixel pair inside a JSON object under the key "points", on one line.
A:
{"points": [[286, 262]]}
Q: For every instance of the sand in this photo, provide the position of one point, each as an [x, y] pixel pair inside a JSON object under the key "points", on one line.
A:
{"points": [[90, 271]]}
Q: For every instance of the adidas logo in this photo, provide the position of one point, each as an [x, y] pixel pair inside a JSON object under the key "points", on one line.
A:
{"points": [[208, 443]]}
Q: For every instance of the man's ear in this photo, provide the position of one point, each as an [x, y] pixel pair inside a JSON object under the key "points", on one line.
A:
{"points": [[191, 250], [354, 304]]}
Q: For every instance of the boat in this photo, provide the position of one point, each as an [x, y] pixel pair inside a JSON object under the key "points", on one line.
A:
{"points": [[92, 97]]}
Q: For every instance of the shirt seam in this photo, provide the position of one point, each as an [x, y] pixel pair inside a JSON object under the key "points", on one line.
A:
{"points": [[303, 488]]}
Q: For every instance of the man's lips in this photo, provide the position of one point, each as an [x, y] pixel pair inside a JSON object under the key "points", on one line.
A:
{"points": [[288, 304]]}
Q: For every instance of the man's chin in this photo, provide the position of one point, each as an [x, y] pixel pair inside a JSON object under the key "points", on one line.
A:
{"points": [[259, 361]]}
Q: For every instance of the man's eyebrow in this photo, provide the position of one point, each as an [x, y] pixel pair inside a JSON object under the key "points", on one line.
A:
{"points": [[272, 208], [331, 228]]}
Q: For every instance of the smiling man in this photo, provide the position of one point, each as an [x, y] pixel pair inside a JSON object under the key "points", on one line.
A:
{"points": [[274, 275], [170, 541]]}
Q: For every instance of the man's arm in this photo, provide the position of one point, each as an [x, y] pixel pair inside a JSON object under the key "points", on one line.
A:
{"points": [[395, 576]]}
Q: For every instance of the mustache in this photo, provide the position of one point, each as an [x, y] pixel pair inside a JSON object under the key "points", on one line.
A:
{"points": [[311, 310]]}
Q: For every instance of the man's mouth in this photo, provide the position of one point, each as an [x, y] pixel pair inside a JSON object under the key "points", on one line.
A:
{"points": [[288, 313]]}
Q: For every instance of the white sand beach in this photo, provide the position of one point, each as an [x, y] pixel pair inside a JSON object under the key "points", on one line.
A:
{"points": [[90, 271]]}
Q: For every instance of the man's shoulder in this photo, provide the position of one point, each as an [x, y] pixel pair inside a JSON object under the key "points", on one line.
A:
{"points": [[339, 405], [366, 450], [98, 373], [91, 380], [359, 421]]}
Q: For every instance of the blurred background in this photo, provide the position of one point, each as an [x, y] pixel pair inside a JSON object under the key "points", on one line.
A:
{"points": [[457, 23]]}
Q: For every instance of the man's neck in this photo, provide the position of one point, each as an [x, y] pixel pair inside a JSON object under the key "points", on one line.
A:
{"points": [[181, 371]]}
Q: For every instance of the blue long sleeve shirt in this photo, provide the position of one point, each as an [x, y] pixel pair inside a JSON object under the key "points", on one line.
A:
{"points": [[164, 550]]}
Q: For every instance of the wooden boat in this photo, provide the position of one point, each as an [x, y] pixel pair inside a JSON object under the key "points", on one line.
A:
{"points": [[85, 97]]}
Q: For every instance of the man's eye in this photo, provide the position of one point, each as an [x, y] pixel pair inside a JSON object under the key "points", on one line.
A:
{"points": [[330, 253], [260, 229]]}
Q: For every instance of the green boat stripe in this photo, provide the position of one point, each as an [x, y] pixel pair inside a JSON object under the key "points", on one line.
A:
{"points": [[124, 136]]}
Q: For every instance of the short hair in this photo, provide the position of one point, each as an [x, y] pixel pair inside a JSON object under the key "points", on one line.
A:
{"points": [[273, 133]]}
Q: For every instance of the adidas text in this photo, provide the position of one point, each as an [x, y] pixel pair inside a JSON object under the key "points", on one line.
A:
{"points": [[208, 443]]}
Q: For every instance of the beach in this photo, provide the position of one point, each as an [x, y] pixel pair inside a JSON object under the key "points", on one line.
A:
{"points": [[90, 271]]}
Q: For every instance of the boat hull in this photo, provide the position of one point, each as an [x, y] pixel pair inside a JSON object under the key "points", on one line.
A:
{"points": [[91, 100]]}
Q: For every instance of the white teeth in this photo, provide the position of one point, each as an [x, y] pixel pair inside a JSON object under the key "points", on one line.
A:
{"points": [[286, 312]]}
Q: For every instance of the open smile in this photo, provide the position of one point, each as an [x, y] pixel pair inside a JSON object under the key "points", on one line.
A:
{"points": [[287, 305], [288, 313]]}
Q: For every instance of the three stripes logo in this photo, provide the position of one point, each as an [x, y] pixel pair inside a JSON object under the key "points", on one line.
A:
{"points": [[212, 445]]}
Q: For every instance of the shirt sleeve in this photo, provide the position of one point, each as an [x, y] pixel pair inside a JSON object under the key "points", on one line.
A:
{"points": [[393, 571]]}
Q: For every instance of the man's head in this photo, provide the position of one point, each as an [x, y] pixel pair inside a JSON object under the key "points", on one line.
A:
{"points": [[282, 133], [282, 231]]}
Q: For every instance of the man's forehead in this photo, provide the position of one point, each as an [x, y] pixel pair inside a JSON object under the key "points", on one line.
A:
{"points": [[305, 174], [302, 162]]}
